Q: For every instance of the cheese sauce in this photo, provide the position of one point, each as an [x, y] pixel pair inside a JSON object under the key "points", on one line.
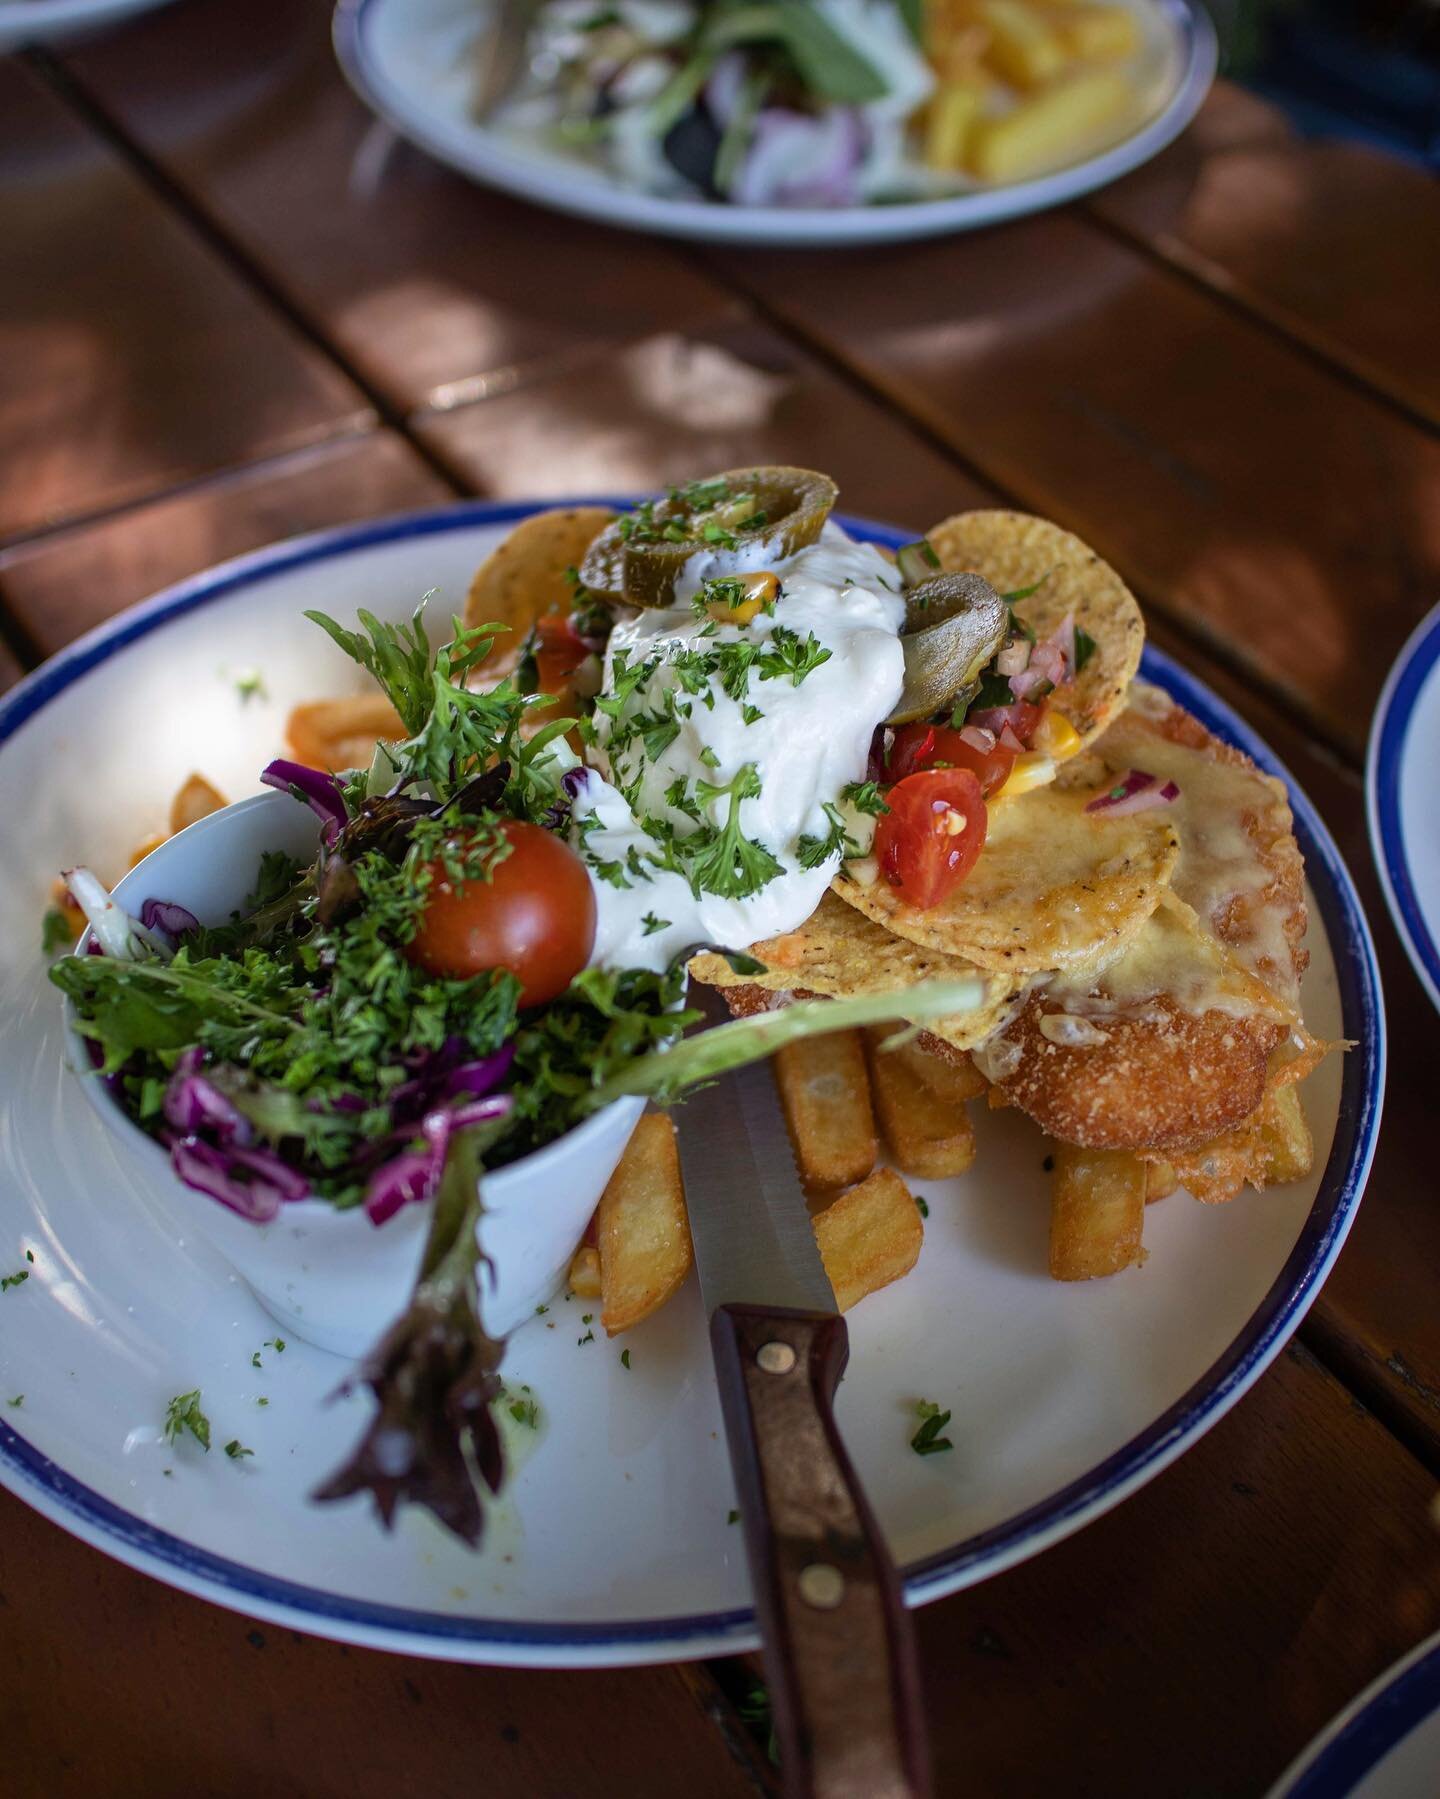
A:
{"points": [[672, 749]]}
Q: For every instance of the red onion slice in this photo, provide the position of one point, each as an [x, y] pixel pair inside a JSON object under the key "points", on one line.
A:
{"points": [[1135, 791]]}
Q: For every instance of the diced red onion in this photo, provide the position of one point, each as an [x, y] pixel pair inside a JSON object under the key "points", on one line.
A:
{"points": [[1049, 659], [165, 915], [802, 159], [1010, 741], [484, 1075], [253, 1182], [194, 1104], [978, 738], [995, 719], [1062, 638], [1135, 791], [1031, 683], [320, 792]]}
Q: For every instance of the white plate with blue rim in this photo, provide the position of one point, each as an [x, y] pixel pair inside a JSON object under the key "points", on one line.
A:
{"points": [[411, 62], [1384, 1745], [613, 1543], [1403, 800], [52, 21]]}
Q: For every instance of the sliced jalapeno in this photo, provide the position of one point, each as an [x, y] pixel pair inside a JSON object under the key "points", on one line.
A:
{"points": [[638, 560], [954, 624]]}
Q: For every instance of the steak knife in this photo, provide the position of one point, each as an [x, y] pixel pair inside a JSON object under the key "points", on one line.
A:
{"points": [[839, 1650]]}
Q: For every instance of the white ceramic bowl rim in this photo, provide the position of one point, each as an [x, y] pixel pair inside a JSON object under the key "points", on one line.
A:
{"points": [[108, 1526]]}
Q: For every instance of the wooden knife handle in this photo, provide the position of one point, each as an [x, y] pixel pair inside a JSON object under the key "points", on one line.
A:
{"points": [[839, 1652]]}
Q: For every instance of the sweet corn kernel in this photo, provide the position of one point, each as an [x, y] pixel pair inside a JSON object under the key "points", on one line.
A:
{"points": [[1056, 736], [1033, 768]]}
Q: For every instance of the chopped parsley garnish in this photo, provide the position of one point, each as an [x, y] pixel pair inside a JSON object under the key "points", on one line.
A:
{"points": [[788, 654], [183, 1414], [721, 859], [922, 1205], [526, 1412], [55, 931], [927, 1440], [16, 1402], [235, 1449], [14, 1280], [653, 924], [275, 1343], [587, 1317], [865, 796], [250, 686], [589, 1337], [1085, 647], [811, 852], [751, 714], [733, 1516], [255, 1358], [625, 1359]]}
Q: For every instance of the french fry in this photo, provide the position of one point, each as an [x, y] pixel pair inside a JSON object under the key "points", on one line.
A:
{"points": [[196, 799], [1284, 1148], [949, 120], [926, 1135], [146, 844], [1104, 33], [339, 734], [1051, 127], [1097, 1212], [1161, 1181], [954, 1082], [869, 1237], [642, 1229], [583, 1279], [826, 1096], [1023, 50]]}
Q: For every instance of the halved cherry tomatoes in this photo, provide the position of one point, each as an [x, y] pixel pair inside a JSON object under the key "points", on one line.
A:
{"points": [[535, 916], [559, 651], [928, 841], [920, 747]]}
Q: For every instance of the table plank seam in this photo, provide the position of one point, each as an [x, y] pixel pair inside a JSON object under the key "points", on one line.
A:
{"points": [[1290, 705], [1372, 1383], [1171, 258], [196, 217]]}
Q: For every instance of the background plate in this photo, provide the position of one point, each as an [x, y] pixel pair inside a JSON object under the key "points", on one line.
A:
{"points": [[613, 1544], [407, 61], [1402, 796], [1386, 1745]]}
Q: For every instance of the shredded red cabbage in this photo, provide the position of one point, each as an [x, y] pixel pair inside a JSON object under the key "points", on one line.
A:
{"points": [[320, 792], [253, 1182], [166, 916], [193, 1104], [413, 1177]]}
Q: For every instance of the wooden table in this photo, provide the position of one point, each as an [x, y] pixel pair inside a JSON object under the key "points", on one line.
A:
{"points": [[231, 308]]}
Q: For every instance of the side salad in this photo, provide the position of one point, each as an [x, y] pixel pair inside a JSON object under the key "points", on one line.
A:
{"points": [[419, 1005]]}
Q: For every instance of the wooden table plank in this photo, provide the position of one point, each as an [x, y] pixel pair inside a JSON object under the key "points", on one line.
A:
{"points": [[1292, 521], [679, 405], [9, 668], [436, 289], [132, 359], [1334, 243], [1197, 1637], [111, 1683], [60, 585]]}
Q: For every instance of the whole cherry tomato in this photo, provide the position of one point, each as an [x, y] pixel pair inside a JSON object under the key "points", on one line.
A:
{"points": [[535, 915], [928, 841], [919, 747]]}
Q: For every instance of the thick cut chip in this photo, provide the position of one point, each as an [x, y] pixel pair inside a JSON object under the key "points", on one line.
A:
{"points": [[1097, 1212], [1167, 1048], [1055, 887], [642, 1228], [528, 574], [1271, 1147], [1014, 551], [926, 1134], [869, 1237], [825, 1092], [1240, 866], [840, 953]]}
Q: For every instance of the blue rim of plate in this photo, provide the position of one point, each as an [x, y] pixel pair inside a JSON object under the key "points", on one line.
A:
{"points": [[1389, 739], [517, 171], [1373, 1724], [34, 1477]]}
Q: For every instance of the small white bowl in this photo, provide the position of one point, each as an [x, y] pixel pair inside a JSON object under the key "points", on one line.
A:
{"points": [[332, 1277]]}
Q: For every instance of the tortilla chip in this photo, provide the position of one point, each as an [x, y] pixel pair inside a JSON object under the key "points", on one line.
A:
{"points": [[1240, 866], [838, 952], [1054, 887], [1012, 551], [526, 575]]}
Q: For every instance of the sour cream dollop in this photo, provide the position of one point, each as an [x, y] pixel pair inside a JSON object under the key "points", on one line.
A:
{"points": [[670, 745]]}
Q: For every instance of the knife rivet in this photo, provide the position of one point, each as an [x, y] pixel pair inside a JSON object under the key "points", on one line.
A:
{"points": [[775, 1358], [822, 1586]]}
